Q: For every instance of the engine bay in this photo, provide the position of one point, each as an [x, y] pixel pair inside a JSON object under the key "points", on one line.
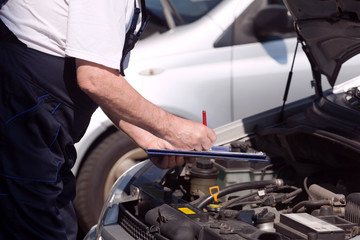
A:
{"points": [[307, 190], [265, 207]]}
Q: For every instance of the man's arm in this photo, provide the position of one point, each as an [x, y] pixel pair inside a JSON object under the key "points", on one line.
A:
{"points": [[127, 109]]}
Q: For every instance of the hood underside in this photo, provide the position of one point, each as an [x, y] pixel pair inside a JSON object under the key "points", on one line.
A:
{"points": [[329, 31]]}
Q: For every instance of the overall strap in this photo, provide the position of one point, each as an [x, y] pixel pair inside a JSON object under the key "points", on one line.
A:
{"points": [[131, 36], [144, 17]]}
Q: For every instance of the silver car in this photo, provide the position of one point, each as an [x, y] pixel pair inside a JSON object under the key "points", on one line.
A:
{"points": [[290, 173], [234, 61]]}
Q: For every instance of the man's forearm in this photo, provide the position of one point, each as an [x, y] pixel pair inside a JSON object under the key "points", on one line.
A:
{"points": [[119, 100]]}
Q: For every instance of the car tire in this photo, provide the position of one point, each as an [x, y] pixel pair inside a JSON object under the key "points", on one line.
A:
{"points": [[103, 165]]}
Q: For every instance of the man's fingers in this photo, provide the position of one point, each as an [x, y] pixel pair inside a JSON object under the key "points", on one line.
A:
{"points": [[189, 159], [166, 162], [179, 160]]}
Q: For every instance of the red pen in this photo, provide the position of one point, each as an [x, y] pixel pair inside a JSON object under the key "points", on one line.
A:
{"points": [[204, 117]]}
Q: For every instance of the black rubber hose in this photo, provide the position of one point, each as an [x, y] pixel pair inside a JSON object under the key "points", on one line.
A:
{"points": [[238, 187], [310, 203]]}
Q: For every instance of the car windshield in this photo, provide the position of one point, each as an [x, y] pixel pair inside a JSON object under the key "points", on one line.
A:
{"points": [[183, 11]]}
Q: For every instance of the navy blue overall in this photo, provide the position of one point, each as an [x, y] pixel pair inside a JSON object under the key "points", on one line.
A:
{"points": [[42, 114]]}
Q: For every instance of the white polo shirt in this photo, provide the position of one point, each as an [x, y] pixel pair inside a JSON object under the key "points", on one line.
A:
{"points": [[93, 30]]}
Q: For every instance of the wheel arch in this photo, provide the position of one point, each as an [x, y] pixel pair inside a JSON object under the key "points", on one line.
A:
{"points": [[95, 141]]}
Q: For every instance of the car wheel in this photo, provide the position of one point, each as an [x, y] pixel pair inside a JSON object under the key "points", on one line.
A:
{"points": [[105, 163]]}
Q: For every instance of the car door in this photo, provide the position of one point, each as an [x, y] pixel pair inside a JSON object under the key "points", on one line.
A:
{"points": [[262, 53]]}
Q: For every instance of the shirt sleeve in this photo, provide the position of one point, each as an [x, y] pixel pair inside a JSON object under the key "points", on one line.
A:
{"points": [[96, 30]]}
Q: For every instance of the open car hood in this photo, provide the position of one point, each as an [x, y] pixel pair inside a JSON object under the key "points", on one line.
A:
{"points": [[329, 31]]}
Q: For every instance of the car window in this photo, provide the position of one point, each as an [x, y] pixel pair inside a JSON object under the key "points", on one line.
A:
{"points": [[191, 10], [262, 21], [183, 11]]}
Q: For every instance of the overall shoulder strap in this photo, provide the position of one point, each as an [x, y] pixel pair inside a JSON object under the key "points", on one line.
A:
{"points": [[131, 36], [144, 17]]}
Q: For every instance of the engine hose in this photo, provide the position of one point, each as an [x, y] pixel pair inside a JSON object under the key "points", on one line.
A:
{"points": [[235, 201], [238, 187], [238, 200], [310, 204]]}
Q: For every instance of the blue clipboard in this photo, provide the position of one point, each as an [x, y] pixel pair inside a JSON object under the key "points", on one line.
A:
{"points": [[208, 154]]}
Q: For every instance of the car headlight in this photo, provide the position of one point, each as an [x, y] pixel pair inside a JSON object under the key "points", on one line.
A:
{"points": [[117, 194]]}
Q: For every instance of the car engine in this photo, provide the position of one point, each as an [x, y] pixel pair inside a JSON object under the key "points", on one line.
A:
{"points": [[179, 206], [308, 188]]}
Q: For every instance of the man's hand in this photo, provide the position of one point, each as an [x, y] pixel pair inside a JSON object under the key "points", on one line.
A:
{"points": [[171, 161], [188, 135], [147, 140], [167, 161]]}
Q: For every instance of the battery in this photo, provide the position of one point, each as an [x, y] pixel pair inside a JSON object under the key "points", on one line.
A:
{"points": [[306, 226]]}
